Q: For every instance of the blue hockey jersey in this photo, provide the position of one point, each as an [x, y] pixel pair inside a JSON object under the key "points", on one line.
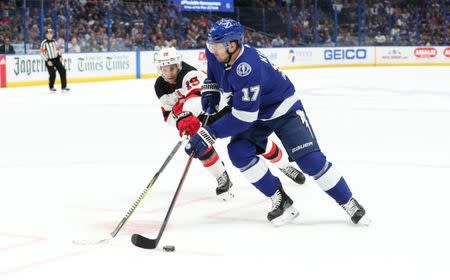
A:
{"points": [[256, 91]]}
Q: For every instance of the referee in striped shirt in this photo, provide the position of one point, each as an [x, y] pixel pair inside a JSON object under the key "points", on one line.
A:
{"points": [[53, 59]]}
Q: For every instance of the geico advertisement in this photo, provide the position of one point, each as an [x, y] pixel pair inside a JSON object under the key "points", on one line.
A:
{"points": [[32, 67], [354, 55], [298, 57]]}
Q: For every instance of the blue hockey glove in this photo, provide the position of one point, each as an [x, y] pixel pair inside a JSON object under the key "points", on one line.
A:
{"points": [[200, 142], [210, 97]]}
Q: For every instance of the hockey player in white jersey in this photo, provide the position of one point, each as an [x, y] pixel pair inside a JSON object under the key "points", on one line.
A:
{"points": [[179, 89]]}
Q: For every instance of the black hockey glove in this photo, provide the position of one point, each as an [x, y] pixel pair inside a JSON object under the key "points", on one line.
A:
{"points": [[210, 97]]}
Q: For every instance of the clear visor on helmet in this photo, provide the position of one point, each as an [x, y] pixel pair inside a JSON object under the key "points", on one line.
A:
{"points": [[163, 63], [169, 71], [216, 47], [169, 68]]}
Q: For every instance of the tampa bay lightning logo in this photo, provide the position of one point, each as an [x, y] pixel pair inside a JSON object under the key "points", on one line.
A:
{"points": [[243, 69], [226, 23]]}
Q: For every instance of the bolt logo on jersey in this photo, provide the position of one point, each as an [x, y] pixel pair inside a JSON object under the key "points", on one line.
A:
{"points": [[243, 69]]}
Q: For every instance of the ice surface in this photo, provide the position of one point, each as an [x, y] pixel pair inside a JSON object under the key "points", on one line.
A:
{"points": [[71, 165]]}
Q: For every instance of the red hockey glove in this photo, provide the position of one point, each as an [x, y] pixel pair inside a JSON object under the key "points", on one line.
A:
{"points": [[186, 121], [178, 107]]}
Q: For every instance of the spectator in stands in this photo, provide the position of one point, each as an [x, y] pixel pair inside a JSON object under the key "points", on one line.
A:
{"points": [[73, 45], [380, 39], [277, 42], [395, 34], [104, 45], [7, 48], [347, 40], [94, 46], [61, 42], [144, 21], [114, 44]]}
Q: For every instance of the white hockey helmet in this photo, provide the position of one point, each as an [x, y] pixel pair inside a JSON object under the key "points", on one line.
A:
{"points": [[167, 56]]}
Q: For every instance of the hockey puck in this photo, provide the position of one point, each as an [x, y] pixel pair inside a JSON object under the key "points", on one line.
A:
{"points": [[169, 248]]}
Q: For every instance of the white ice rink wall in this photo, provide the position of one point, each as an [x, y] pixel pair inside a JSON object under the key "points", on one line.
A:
{"points": [[26, 70]]}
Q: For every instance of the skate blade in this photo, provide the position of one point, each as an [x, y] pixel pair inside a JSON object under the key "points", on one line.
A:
{"points": [[225, 196], [288, 215], [365, 221]]}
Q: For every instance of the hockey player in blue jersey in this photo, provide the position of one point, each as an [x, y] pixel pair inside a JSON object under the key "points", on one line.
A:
{"points": [[263, 101]]}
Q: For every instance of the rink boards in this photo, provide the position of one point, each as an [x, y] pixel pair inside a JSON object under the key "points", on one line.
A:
{"points": [[28, 70]]}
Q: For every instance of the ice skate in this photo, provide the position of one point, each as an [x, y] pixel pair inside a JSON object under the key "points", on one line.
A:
{"points": [[51, 90], [356, 212], [283, 210], [223, 190], [294, 174], [65, 90]]}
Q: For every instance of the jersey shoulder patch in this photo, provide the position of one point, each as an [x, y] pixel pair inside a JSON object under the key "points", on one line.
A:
{"points": [[243, 69]]}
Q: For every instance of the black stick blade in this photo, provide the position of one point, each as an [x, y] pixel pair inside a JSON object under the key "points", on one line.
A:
{"points": [[143, 242]]}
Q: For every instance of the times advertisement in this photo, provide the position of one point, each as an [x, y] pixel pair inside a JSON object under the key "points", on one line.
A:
{"points": [[88, 66]]}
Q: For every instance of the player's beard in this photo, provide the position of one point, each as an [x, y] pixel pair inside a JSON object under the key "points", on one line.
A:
{"points": [[225, 58]]}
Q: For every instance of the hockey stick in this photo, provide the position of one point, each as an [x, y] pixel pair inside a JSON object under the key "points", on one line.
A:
{"points": [[136, 203], [147, 243]]}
